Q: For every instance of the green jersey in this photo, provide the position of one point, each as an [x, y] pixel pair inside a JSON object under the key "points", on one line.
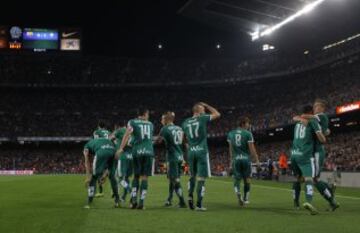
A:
{"points": [[195, 129], [173, 137], [323, 120], [239, 140], [304, 138], [101, 133], [119, 134], [142, 137], [99, 145]]}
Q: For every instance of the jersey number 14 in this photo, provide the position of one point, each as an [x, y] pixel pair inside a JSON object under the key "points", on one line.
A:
{"points": [[145, 131]]}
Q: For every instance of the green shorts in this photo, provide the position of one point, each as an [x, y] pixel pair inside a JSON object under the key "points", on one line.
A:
{"points": [[174, 169], [125, 165], [319, 157], [102, 161], [241, 168], [303, 166], [199, 163], [143, 165]]}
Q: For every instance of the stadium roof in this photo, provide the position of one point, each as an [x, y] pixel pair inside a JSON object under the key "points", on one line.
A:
{"points": [[246, 16], [191, 27]]}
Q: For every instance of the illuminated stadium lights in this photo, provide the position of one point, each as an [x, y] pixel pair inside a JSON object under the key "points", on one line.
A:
{"points": [[257, 34], [160, 46], [267, 47], [218, 46], [341, 41]]}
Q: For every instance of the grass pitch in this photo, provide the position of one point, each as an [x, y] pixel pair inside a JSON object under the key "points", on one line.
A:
{"points": [[46, 204]]}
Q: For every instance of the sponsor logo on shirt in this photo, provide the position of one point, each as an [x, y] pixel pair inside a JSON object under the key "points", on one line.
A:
{"points": [[196, 148], [104, 147], [143, 151]]}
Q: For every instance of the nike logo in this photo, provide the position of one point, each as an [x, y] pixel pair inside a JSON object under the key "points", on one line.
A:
{"points": [[68, 34]]}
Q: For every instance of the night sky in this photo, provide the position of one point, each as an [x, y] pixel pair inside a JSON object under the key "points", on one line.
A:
{"points": [[135, 28]]}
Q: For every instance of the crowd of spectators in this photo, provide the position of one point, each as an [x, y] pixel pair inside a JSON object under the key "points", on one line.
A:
{"points": [[81, 69], [65, 95], [75, 111], [343, 153], [42, 161]]}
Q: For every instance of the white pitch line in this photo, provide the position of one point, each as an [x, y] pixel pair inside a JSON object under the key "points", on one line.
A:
{"points": [[288, 190]]}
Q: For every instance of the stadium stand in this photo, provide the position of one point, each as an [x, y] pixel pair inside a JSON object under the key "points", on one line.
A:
{"points": [[65, 95]]}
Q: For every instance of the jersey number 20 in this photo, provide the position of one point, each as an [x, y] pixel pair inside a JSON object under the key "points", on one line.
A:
{"points": [[178, 136]]}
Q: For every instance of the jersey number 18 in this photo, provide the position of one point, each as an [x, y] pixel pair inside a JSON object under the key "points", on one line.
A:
{"points": [[300, 131]]}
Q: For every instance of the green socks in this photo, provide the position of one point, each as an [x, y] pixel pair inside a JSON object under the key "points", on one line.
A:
{"points": [[135, 188], [143, 191], [237, 188], [246, 191], [92, 189], [309, 191], [191, 187], [179, 192], [296, 192], [125, 184], [114, 187], [171, 190], [325, 191], [200, 192]]}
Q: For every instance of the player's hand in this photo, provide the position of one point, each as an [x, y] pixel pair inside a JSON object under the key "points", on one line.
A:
{"points": [[118, 153], [203, 104]]}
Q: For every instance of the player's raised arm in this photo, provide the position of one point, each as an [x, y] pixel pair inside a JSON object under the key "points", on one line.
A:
{"points": [[301, 119], [214, 113], [308, 116]]}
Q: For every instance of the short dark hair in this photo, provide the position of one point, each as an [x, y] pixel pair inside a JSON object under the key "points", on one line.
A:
{"points": [[141, 111], [101, 124], [119, 125], [307, 109], [243, 120]]}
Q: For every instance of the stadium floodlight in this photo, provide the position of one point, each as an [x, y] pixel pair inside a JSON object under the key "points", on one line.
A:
{"points": [[311, 6], [218, 46], [160, 46]]}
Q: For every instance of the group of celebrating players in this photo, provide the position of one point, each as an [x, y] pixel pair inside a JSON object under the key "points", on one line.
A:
{"points": [[129, 151]]}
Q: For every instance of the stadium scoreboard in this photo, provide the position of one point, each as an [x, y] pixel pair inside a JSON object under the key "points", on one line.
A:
{"points": [[40, 39]]}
